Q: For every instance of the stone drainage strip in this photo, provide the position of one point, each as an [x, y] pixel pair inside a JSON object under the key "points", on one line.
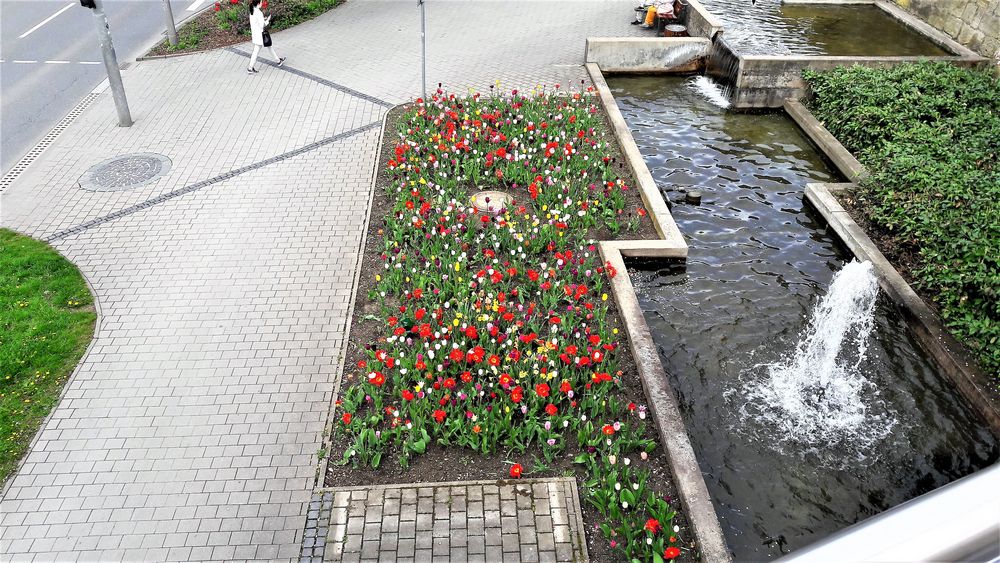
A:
{"points": [[530, 520]]}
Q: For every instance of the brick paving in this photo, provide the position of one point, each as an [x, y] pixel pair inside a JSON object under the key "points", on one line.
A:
{"points": [[532, 521], [190, 429]]}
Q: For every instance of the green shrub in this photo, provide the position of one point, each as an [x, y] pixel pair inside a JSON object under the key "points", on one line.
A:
{"points": [[929, 133], [234, 17]]}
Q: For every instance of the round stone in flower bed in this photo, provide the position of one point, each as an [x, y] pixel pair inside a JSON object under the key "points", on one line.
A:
{"points": [[491, 201], [125, 172]]}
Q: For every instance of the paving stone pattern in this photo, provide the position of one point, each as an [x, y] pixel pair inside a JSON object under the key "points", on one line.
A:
{"points": [[530, 521], [190, 429]]}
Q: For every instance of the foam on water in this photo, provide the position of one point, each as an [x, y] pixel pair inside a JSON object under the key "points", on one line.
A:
{"points": [[818, 397], [710, 90]]}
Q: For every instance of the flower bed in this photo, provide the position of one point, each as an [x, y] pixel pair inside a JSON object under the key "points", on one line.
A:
{"points": [[227, 22], [494, 334]]}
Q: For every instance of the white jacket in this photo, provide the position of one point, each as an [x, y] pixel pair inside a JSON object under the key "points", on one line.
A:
{"points": [[257, 24]]}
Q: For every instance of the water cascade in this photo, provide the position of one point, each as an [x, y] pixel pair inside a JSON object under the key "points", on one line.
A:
{"points": [[721, 70], [818, 397]]}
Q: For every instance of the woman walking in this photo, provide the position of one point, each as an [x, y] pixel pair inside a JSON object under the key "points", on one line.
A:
{"points": [[259, 36]]}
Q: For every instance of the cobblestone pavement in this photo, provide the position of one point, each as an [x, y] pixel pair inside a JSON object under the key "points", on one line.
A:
{"points": [[191, 427], [531, 521]]}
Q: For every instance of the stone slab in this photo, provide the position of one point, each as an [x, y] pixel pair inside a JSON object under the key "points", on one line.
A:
{"points": [[523, 520]]}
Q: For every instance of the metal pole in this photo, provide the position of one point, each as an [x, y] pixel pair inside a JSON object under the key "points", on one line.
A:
{"points": [[171, 28], [423, 49], [111, 64]]}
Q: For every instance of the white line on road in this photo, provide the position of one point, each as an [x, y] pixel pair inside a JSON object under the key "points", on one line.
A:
{"points": [[194, 5], [57, 62], [45, 21], [26, 62], [89, 62]]}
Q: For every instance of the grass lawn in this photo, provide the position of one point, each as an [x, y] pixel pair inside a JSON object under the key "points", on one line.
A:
{"points": [[46, 321]]}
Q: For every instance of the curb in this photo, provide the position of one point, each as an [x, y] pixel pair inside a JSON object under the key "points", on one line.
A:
{"points": [[331, 420]]}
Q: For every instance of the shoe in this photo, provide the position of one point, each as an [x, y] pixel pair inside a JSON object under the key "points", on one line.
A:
{"points": [[635, 22], [647, 26], [251, 70], [281, 61]]}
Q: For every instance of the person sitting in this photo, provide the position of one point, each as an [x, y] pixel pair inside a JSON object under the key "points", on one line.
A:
{"points": [[663, 8]]}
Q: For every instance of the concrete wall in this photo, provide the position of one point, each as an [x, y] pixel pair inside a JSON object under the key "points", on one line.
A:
{"points": [[699, 21], [974, 23], [648, 54], [767, 81]]}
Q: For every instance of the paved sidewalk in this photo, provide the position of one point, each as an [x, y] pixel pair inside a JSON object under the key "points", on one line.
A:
{"points": [[191, 428], [533, 520]]}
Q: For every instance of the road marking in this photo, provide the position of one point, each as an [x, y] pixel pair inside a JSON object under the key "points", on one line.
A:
{"points": [[194, 5], [45, 21], [57, 62], [89, 62], [26, 62]]}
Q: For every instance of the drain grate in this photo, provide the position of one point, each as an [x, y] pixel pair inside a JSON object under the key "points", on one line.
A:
{"points": [[47, 140], [125, 172]]}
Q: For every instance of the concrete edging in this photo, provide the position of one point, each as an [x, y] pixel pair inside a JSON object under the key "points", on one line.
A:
{"points": [[328, 426], [648, 54], [672, 244], [850, 167], [691, 487], [962, 371]]}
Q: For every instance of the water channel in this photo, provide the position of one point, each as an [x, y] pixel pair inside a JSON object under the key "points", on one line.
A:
{"points": [[732, 325], [769, 27]]}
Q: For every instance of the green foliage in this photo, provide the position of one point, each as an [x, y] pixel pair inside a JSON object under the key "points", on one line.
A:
{"points": [[46, 322], [929, 133], [284, 14], [189, 37]]}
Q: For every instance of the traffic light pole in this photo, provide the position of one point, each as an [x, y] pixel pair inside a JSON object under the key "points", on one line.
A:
{"points": [[423, 50], [110, 61], [168, 14]]}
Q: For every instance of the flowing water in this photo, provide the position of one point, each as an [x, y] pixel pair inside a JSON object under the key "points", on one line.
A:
{"points": [[797, 436], [770, 28]]}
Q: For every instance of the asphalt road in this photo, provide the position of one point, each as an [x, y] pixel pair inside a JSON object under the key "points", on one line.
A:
{"points": [[47, 68]]}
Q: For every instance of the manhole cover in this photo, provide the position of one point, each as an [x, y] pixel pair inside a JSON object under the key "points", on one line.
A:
{"points": [[491, 201], [125, 172]]}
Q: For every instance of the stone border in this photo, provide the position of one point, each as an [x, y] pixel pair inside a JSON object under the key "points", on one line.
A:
{"points": [[331, 421], [951, 357], [672, 243], [648, 54], [36, 151], [666, 413], [701, 22], [842, 158]]}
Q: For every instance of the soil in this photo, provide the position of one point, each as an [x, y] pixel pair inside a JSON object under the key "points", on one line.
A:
{"points": [[214, 38], [453, 463]]}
